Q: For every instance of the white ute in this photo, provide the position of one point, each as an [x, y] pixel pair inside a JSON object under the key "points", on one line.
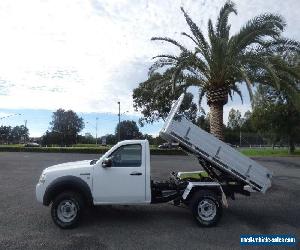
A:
{"points": [[122, 176]]}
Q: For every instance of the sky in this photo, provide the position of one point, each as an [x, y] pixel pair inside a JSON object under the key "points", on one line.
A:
{"points": [[87, 55]]}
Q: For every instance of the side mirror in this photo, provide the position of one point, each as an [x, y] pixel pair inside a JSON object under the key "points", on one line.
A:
{"points": [[93, 162], [107, 163]]}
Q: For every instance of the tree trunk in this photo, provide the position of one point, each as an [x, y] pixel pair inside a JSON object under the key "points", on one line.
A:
{"points": [[216, 99], [291, 145], [216, 120]]}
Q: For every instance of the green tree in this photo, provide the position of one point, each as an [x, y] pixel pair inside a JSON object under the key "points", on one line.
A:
{"points": [[281, 101], [66, 125], [86, 139], [218, 65], [19, 134], [235, 120], [128, 130], [203, 121], [16, 134], [154, 99], [240, 131], [158, 140], [111, 139], [5, 132], [89, 139], [51, 138], [247, 122], [275, 116], [149, 138]]}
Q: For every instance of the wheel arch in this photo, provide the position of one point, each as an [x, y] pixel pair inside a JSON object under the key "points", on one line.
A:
{"points": [[211, 188], [67, 183]]}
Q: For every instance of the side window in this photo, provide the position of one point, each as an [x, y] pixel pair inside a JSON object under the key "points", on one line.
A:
{"points": [[127, 156]]}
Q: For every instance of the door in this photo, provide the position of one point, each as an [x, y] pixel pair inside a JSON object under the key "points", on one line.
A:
{"points": [[124, 180]]}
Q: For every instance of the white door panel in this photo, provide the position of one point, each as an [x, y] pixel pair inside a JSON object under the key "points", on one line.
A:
{"points": [[124, 181]]}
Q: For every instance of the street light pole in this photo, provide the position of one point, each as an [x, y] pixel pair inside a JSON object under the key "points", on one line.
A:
{"points": [[96, 130], [241, 122], [119, 121], [240, 137]]}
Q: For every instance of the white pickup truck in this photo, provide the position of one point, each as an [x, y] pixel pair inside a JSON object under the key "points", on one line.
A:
{"points": [[122, 176]]}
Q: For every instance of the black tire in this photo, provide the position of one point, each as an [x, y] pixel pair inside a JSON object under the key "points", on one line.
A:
{"points": [[67, 209], [202, 200]]}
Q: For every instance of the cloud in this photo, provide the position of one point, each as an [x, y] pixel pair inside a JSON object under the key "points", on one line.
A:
{"points": [[4, 87], [87, 55]]}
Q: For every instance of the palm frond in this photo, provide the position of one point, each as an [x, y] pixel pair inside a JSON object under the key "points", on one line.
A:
{"points": [[288, 85], [196, 32], [202, 92], [198, 66], [230, 93], [160, 63], [211, 31], [234, 88], [189, 36], [282, 65], [170, 40], [195, 81], [282, 45], [166, 56], [249, 84], [222, 27], [265, 25], [266, 65], [177, 71], [275, 81]]}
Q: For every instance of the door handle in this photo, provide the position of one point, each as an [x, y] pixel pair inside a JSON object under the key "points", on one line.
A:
{"points": [[135, 173]]}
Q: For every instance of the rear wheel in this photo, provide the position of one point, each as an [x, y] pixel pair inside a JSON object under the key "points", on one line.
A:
{"points": [[66, 209], [206, 208]]}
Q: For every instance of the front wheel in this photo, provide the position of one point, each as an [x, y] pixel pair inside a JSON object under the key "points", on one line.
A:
{"points": [[66, 210], [206, 208]]}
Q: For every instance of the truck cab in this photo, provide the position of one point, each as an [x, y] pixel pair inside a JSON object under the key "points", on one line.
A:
{"points": [[128, 162]]}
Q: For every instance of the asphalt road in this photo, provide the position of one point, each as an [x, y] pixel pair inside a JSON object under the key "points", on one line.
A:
{"points": [[26, 224]]}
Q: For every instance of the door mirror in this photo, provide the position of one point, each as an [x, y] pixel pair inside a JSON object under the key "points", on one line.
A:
{"points": [[107, 163], [93, 162]]}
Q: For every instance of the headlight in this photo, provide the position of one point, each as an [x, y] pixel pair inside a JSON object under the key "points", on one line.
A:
{"points": [[42, 178]]}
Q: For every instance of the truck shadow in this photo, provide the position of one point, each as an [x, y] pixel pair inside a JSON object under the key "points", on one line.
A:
{"points": [[256, 217], [136, 215]]}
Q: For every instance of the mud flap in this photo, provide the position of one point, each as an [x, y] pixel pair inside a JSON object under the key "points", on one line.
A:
{"points": [[224, 199]]}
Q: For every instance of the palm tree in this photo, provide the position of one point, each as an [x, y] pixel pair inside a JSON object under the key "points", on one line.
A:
{"points": [[218, 64]]}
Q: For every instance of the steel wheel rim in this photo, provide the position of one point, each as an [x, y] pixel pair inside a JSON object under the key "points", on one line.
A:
{"points": [[66, 211], [207, 209]]}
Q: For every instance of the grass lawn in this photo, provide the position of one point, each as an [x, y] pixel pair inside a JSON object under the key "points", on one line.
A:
{"points": [[268, 152], [12, 145]]}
